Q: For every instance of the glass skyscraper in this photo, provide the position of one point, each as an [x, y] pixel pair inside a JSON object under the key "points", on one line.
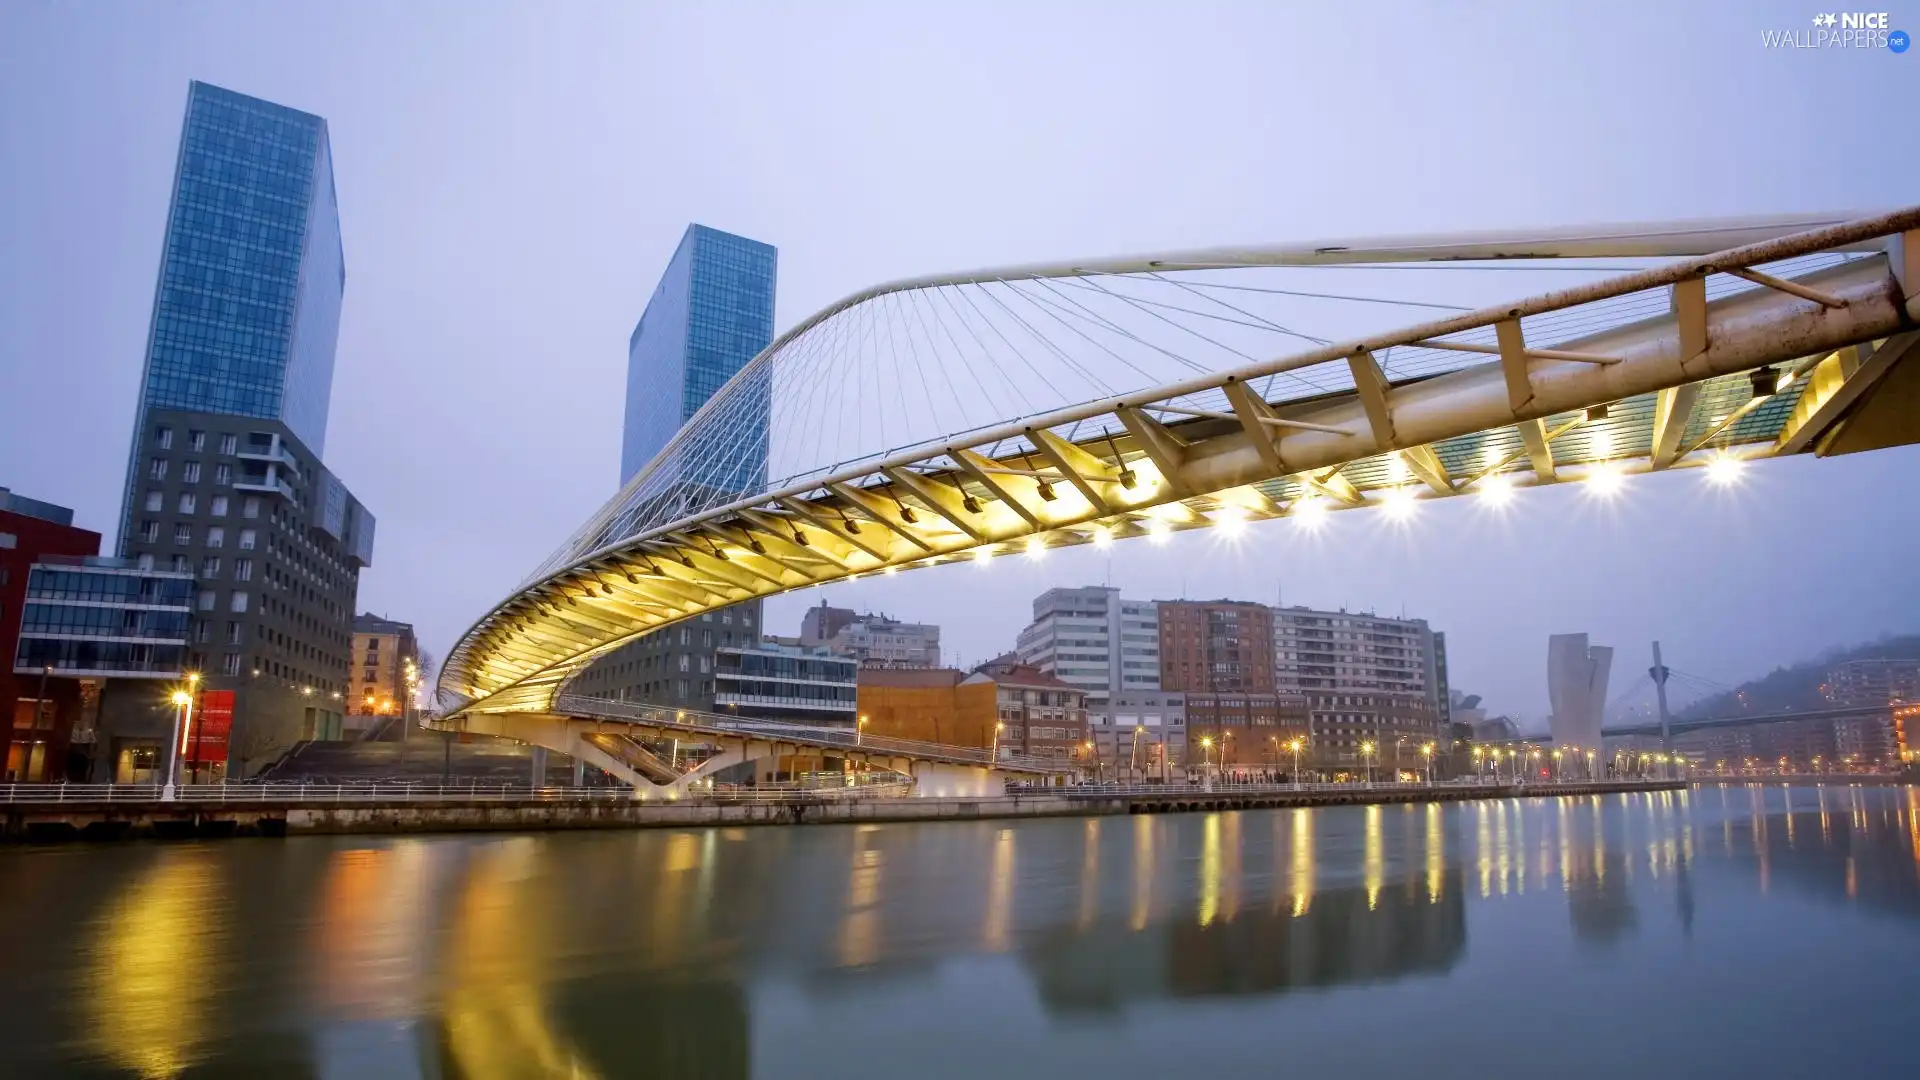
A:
{"points": [[247, 310], [224, 478], [711, 313]]}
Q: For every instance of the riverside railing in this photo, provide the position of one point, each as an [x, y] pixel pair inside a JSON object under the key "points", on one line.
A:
{"points": [[214, 794]]}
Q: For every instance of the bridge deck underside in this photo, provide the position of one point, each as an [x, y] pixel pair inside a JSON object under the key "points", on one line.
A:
{"points": [[1772, 366]]}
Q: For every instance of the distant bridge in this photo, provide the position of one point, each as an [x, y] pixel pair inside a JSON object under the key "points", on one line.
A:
{"points": [[1678, 726]]}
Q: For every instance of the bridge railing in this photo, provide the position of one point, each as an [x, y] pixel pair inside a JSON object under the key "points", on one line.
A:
{"points": [[709, 723]]}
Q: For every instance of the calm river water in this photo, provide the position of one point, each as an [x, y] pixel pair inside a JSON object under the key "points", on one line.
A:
{"points": [[1742, 931]]}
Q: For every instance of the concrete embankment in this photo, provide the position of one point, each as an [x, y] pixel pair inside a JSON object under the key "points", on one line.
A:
{"points": [[45, 822]]}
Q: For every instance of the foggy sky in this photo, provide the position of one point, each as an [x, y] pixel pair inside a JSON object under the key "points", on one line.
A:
{"points": [[513, 178]]}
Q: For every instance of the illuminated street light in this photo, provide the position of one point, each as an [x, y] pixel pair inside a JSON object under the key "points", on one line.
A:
{"points": [[1036, 546], [1497, 491], [1102, 536], [982, 556], [1158, 531]]}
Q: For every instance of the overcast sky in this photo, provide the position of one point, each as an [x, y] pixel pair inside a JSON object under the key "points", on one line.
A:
{"points": [[513, 177]]}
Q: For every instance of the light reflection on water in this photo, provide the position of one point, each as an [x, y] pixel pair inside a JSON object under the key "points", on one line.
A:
{"points": [[1372, 941]]}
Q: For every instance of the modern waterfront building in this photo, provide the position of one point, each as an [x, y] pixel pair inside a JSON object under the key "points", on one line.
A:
{"points": [[385, 652], [786, 682], [1877, 740], [1577, 688], [224, 476], [1093, 639], [79, 633], [1352, 651], [873, 640], [710, 313]]}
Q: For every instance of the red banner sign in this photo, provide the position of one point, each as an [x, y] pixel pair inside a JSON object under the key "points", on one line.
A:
{"points": [[212, 723]]}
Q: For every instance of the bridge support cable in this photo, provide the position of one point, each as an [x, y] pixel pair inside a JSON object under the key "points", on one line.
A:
{"points": [[768, 489]]}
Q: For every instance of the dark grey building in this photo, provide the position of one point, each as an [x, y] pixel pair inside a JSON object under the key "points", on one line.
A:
{"points": [[224, 478]]}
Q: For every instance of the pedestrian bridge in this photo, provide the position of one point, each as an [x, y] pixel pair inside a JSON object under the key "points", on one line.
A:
{"points": [[967, 417]]}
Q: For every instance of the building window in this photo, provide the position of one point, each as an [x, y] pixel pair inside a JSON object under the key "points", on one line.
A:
{"points": [[230, 664], [183, 533], [178, 564], [145, 562], [196, 440], [210, 566], [229, 444], [238, 603], [216, 536], [251, 507], [233, 637], [219, 507], [222, 475], [163, 437], [188, 502], [243, 569], [246, 539], [683, 664], [158, 468], [156, 502], [190, 473], [206, 599]]}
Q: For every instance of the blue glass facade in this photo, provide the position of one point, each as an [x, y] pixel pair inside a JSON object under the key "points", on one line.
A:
{"points": [[246, 313], [711, 313]]}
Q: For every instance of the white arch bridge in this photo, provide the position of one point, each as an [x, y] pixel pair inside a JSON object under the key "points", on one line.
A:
{"points": [[1213, 388]]}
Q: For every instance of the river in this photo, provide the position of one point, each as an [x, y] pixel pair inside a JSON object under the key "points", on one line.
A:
{"points": [[1728, 931]]}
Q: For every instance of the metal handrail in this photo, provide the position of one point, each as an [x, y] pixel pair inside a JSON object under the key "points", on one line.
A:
{"points": [[201, 794]]}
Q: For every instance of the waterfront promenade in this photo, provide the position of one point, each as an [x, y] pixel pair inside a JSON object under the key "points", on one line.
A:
{"points": [[52, 813]]}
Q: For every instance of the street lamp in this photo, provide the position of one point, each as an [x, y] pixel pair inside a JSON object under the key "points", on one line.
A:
{"points": [[1206, 756], [1366, 754], [1427, 752], [859, 730], [1556, 766], [1295, 747], [182, 700], [998, 727]]}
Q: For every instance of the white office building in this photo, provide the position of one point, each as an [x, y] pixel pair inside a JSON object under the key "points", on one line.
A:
{"points": [[1092, 639]]}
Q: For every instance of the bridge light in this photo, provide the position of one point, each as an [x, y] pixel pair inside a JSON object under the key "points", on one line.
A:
{"points": [[1310, 511], [1036, 546], [1724, 470], [1604, 480], [1766, 381], [1046, 490], [1232, 521], [1158, 531], [1497, 490], [1102, 536], [1399, 503], [892, 570], [982, 555]]}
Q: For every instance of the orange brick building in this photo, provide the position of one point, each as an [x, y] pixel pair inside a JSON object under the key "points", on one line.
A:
{"points": [[930, 705]]}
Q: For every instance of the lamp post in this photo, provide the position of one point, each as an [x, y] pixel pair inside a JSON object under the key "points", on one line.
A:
{"points": [[1396, 756], [1206, 760], [859, 730], [1427, 752], [182, 699], [998, 726], [1366, 755]]}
